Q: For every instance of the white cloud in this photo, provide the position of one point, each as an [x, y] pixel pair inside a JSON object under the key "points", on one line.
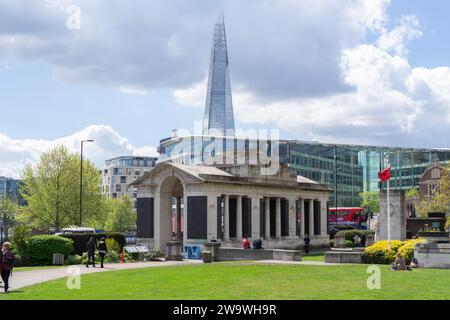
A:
{"points": [[396, 39], [15, 153]]}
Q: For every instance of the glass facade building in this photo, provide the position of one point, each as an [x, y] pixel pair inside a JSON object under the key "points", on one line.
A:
{"points": [[10, 188], [219, 117], [348, 169]]}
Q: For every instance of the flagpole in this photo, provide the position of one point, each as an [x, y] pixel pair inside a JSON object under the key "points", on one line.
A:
{"points": [[388, 215]]}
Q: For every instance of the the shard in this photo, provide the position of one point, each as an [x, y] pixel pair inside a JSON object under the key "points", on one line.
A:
{"points": [[219, 118]]}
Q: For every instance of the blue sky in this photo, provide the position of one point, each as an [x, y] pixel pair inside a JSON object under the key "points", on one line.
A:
{"points": [[352, 71]]}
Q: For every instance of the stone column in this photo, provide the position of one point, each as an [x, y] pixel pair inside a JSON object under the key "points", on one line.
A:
{"points": [[292, 216], [239, 218], [323, 218], [267, 218], [278, 219], [302, 218], [311, 218], [255, 212], [226, 217], [178, 231], [211, 216]]}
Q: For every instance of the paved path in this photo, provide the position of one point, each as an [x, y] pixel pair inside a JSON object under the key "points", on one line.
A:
{"points": [[27, 278]]}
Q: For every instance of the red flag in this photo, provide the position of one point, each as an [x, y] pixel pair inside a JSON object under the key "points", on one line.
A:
{"points": [[385, 175]]}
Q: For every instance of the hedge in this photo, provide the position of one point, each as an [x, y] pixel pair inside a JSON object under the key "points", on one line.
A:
{"points": [[379, 253], [40, 249], [81, 239], [350, 234]]}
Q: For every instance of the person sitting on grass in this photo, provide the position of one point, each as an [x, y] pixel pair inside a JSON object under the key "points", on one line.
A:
{"points": [[414, 263], [399, 263], [245, 242]]}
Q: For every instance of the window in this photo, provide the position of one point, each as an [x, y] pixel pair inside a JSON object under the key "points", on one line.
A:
{"points": [[435, 174], [123, 179], [137, 172], [118, 188]]}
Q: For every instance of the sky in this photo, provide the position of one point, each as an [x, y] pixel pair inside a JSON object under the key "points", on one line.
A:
{"points": [[127, 73]]}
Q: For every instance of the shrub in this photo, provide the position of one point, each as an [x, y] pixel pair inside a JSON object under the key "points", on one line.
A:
{"points": [[154, 255], [113, 245], [40, 249], [73, 260], [112, 257], [84, 258], [407, 249], [349, 244], [332, 243], [80, 240], [21, 234], [379, 253], [349, 234]]}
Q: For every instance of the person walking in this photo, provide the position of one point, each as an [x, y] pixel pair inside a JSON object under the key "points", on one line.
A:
{"points": [[306, 241], [363, 240], [91, 252], [7, 260], [102, 250]]}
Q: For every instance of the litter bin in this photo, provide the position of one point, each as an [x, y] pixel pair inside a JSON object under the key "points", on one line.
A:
{"points": [[207, 256], [58, 259]]}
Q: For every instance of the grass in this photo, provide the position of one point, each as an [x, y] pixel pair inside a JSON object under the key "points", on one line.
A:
{"points": [[319, 257], [20, 269], [246, 280]]}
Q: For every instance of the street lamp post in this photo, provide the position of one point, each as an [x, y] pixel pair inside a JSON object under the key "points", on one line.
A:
{"points": [[81, 180]]}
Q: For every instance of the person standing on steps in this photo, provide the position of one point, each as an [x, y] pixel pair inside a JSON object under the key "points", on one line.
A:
{"points": [[91, 252], [102, 250]]}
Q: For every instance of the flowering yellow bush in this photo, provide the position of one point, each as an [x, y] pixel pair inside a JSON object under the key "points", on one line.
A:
{"points": [[407, 249], [378, 253]]}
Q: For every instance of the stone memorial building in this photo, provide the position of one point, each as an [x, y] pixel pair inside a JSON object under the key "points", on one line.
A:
{"points": [[226, 202]]}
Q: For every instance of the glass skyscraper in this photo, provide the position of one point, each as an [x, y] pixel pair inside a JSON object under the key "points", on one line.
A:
{"points": [[219, 118]]}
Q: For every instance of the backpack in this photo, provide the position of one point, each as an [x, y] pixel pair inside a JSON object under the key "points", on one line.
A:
{"points": [[9, 259]]}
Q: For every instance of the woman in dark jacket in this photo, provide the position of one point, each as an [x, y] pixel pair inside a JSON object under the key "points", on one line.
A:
{"points": [[102, 250], [7, 260], [91, 252]]}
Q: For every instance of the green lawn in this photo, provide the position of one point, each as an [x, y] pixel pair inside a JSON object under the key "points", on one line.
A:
{"points": [[246, 280], [314, 257], [20, 269]]}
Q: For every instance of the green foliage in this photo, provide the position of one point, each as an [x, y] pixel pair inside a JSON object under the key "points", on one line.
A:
{"points": [[350, 234], [349, 244], [113, 245], [73, 260], [80, 240], [412, 193], [121, 216], [9, 209], [51, 189], [332, 243], [21, 234], [112, 257], [41, 248], [154, 255], [370, 201]]}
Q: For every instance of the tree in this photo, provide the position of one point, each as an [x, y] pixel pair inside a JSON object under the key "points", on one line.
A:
{"points": [[370, 201], [8, 212], [121, 216], [51, 189]]}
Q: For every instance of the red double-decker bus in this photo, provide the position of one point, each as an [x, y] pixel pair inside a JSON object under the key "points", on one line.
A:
{"points": [[352, 216]]}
